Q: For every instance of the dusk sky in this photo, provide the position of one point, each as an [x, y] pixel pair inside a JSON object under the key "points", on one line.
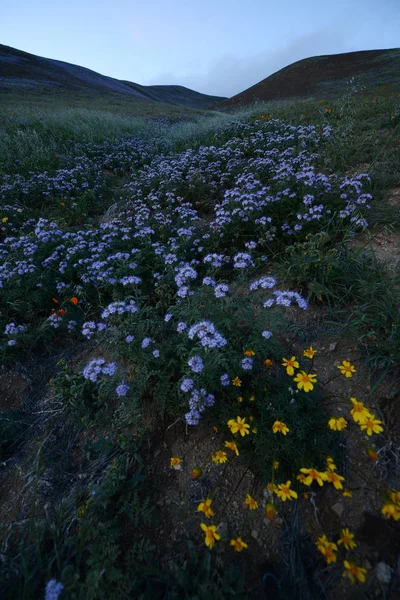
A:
{"points": [[218, 47]]}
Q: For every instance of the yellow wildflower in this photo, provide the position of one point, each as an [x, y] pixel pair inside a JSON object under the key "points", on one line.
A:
{"points": [[270, 511], [284, 492], [373, 454], [238, 544], [197, 472], [395, 497], [347, 493], [281, 427], [359, 412], [211, 535], [327, 549], [347, 539], [237, 382], [354, 572], [330, 465], [252, 398], [372, 425], [272, 488], [309, 352], [314, 475], [219, 457], [240, 399], [232, 446], [251, 502], [290, 364], [249, 353], [305, 381], [391, 511], [205, 507], [275, 464], [268, 363], [347, 369], [239, 425], [332, 477], [337, 423], [176, 463], [4, 219]]}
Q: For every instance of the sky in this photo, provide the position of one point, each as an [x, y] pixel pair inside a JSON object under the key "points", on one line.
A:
{"points": [[217, 47]]}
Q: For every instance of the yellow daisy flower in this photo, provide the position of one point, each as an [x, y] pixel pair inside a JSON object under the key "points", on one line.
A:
{"points": [[305, 381], [239, 425], [347, 539], [205, 507], [281, 427], [211, 535], [332, 477], [251, 502], [354, 572], [372, 425], [284, 492], [309, 352], [346, 368], [232, 446], [327, 548], [359, 412], [238, 544], [391, 511], [220, 457], [337, 423], [330, 464], [313, 475], [291, 364]]}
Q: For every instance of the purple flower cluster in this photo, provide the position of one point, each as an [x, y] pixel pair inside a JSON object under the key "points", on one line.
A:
{"points": [[122, 389], [96, 367], [89, 328], [198, 402], [119, 308], [13, 329], [207, 334], [196, 364], [285, 299], [221, 290], [53, 589]]}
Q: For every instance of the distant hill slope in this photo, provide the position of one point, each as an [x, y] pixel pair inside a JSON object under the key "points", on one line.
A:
{"points": [[324, 77], [23, 71]]}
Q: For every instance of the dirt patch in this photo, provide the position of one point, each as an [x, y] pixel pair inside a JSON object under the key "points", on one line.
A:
{"points": [[13, 388], [384, 242]]}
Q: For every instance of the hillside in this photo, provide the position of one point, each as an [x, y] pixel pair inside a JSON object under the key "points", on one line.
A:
{"points": [[21, 71], [325, 77]]}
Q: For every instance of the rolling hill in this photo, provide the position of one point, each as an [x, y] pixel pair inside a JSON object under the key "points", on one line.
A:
{"points": [[24, 72], [324, 77]]}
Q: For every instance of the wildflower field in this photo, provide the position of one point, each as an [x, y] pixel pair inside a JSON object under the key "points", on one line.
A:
{"points": [[200, 340]]}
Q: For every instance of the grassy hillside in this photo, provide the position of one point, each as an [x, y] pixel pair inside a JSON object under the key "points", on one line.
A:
{"points": [[24, 72], [327, 77], [200, 348]]}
